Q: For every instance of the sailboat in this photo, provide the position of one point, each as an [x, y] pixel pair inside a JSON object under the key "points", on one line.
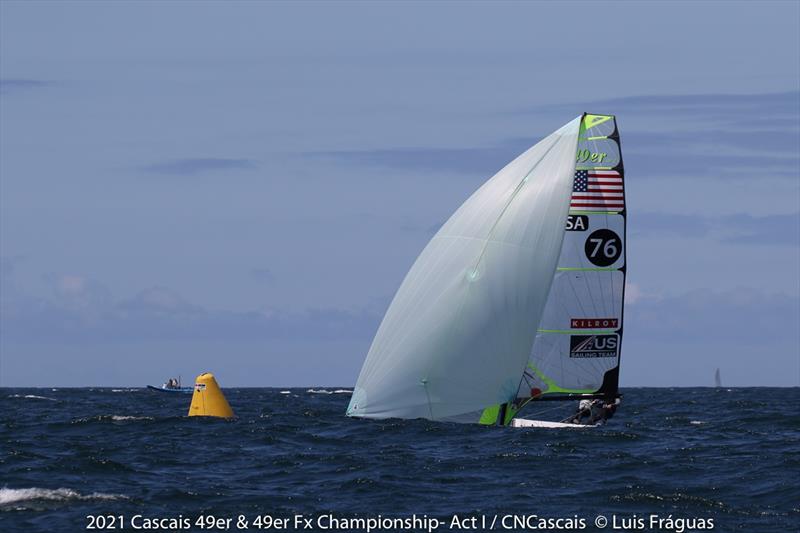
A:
{"points": [[517, 299], [717, 379]]}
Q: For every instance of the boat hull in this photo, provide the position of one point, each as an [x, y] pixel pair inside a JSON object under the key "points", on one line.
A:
{"points": [[525, 423], [179, 390]]}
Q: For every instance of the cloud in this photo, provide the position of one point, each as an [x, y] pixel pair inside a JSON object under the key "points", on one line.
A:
{"points": [[158, 301], [748, 111], [718, 136], [83, 311], [8, 265], [470, 161], [710, 136], [780, 230], [79, 294], [8, 85], [717, 318], [263, 275], [679, 340], [200, 165], [634, 294]]}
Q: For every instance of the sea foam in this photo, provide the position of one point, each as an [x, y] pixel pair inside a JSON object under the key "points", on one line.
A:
{"points": [[15, 496], [32, 397]]}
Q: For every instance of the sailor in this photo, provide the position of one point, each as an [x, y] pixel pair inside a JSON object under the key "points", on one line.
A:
{"points": [[584, 412], [602, 410], [609, 408]]}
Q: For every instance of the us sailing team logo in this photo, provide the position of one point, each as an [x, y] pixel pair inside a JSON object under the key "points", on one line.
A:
{"points": [[588, 346]]}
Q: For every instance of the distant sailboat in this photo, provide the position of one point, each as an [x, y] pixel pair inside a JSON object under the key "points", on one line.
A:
{"points": [[519, 296], [717, 380]]}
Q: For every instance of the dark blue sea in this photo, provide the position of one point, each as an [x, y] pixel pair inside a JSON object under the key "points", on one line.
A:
{"points": [[727, 459]]}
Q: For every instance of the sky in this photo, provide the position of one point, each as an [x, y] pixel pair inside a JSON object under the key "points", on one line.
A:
{"points": [[240, 187]]}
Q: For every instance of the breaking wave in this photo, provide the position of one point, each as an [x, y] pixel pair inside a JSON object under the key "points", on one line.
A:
{"points": [[110, 418], [16, 496], [32, 397]]}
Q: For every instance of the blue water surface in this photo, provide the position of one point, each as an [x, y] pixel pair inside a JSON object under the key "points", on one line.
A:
{"points": [[731, 455]]}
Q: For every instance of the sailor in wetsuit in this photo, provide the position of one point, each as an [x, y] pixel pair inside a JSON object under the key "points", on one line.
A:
{"points": [[606, 410], [594, 411], [584, 414]]}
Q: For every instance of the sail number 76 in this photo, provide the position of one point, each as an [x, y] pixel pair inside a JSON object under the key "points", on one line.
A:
{"points": [[603, 247]]}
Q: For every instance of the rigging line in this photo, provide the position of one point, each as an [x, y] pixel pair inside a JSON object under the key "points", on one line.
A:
{"points": [[614, 296], [592, 365], [562, 302], [600, 277], [589, 292], [575, 293], [579, 372], [540, 411], [547, 360], [556, 350]]}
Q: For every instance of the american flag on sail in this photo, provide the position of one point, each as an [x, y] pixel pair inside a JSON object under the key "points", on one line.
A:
{"points": [[597, 189]]}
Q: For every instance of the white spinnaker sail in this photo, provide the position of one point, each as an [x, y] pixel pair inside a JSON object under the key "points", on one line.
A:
{"points": [[457, 336], [578, 341]]}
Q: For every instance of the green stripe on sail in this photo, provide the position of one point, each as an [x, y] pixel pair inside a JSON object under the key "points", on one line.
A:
{"points": [[581, 269], [551, 385], [595, 138], [578, 331], [573, 212]]}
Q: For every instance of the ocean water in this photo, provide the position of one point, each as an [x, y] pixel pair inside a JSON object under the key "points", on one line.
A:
{"points": [[731, 456]]}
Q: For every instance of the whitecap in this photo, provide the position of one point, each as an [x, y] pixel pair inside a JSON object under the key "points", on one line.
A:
{"points": [[112, 418], [319, 391], [32, 397], [125, 417], [697, 422], [15, 496], [342, 391], [286, 392]]}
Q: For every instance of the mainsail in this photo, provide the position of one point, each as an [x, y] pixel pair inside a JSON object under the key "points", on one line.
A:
{"points": [[577, 345], [458, 338]]}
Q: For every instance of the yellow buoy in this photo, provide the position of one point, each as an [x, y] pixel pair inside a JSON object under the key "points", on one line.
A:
{"points": [[208, 399]]}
